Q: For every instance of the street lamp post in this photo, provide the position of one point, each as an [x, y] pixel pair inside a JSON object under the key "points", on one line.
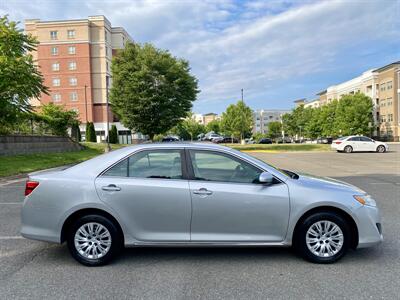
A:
{"points": [[108, 148]]}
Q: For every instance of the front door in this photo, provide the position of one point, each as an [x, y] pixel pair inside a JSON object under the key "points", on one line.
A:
{"points": [[149, 193], [367, 144], [229, 205]]}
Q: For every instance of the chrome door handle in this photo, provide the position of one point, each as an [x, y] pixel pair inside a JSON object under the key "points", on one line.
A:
{"points": [[202, 191], [111, 188]]}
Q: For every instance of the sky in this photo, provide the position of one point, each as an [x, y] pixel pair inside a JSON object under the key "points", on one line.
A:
{"points": [[278, 51]]}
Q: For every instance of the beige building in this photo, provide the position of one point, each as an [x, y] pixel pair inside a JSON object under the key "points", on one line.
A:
{"points": [[74, 57], [382, 85], [206, 118]]}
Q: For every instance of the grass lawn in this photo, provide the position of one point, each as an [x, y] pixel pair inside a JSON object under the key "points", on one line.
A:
{"points": [[18, 164], [280, 147]]}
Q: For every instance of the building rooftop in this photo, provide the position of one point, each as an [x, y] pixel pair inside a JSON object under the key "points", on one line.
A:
{"points": [[393, 64]]}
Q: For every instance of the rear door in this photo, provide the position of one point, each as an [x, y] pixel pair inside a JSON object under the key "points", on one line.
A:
{"points": [[228, 203], [355, 143], [150, 192]]}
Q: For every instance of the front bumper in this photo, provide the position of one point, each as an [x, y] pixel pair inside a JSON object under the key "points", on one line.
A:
{"points": [[369, 226]]}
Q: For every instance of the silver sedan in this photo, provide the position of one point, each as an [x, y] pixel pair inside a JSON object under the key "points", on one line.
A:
{"points": [[194, 195]]}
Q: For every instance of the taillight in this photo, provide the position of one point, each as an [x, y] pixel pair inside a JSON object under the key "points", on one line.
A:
{"points": [[30, 186], [338, 143]]}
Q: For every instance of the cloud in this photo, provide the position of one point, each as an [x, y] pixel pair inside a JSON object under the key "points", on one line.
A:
{"points": [[261, 46]]}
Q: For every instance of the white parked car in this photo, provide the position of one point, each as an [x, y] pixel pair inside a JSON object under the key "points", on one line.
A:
{"points": [[355, 143]]}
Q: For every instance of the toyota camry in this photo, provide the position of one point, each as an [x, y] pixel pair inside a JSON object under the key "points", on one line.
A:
{"points": [[183, 194]]}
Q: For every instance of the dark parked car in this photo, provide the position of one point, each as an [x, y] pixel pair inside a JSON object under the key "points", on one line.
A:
{"points": [[170, 139], [265, 141], [226, 140]]}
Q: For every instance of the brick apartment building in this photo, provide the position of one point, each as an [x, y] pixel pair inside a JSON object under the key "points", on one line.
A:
{"points": [[382, 85], [74, 57]]}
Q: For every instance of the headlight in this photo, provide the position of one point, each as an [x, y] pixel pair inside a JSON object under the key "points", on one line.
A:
{"points": [[365, 200]]}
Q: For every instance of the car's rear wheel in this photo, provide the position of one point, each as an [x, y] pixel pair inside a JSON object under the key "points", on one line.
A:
{"points": [[348, 149], [381, 149], [94, 240], [323, 237]]}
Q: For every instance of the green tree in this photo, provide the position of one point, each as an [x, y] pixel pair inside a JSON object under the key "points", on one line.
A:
{"points": [[295, 122], [274, 129], [237, 120], [214, 125], [113, 135], [258, 136], [76, 132], [20, 79], [354, 115], [188, 129], [90, 132], [56, 119], [152, 90]]}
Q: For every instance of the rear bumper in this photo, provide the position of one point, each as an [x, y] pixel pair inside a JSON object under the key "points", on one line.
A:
{"points": [[369, 226]]}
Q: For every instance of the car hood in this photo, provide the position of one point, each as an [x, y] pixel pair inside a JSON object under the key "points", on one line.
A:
{"points": [[328, 183]]}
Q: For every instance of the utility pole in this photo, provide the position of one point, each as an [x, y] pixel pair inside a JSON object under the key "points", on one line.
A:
{"points": [[241, 134], [108, 148], [86, 105]]}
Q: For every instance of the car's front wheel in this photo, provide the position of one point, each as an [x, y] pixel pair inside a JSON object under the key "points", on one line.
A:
{"points": [[323, 237], [94, 240]]}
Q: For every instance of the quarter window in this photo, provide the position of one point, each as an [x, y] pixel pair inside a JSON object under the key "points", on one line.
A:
{"points": [[214, 166]]}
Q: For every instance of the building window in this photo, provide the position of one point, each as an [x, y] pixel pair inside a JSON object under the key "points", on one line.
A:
{"points": [[72, 65], [71, 50], [56, 81], [53, 35], [105, 35], [389, 101], [107, 66], [390, 118], [71, 34], [55, 67], [54, 50], [73, 81], [56, 97], [73, 96], [383, 87], [389, 85], [106, 51]]}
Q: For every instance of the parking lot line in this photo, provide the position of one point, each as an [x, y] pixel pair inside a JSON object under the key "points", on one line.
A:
{"points": [[11, 203], [12, 237]]}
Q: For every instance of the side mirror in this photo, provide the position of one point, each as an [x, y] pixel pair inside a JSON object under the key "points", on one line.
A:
{"points": [[266, 177]]}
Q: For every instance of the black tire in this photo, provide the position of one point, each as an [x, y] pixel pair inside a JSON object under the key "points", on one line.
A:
{"points": [[348, 149], [381, 149], [116, 240], [301, 233]]}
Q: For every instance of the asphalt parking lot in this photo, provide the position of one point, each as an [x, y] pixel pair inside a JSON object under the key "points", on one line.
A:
{"points": [[30, 269]]}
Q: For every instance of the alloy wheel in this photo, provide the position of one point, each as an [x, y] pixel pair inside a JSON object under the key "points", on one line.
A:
{"points": [[381, 149], [324, 238], [92, 240]]}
